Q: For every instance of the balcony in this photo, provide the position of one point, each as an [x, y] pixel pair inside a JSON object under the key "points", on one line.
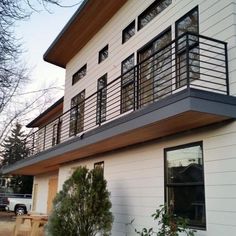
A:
{"points": [[182, 86]]}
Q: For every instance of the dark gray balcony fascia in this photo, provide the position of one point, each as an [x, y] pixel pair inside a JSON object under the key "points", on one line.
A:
{"points": [[176, 104]]}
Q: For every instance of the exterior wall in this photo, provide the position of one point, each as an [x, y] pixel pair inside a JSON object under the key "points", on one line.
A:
{"points": [[216, 19], [135, 178], [42, 191]]}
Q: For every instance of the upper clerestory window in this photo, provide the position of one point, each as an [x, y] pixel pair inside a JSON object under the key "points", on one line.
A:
{"points": [[79, 74], [128, 32], [152, 11], [103, 54]]}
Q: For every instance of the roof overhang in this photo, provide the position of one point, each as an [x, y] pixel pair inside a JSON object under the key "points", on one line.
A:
{"points": [[181, 112], [48, 115], [91, 16]]}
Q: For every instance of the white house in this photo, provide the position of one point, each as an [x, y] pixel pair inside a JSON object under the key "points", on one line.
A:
{"points": [[149, 95]]}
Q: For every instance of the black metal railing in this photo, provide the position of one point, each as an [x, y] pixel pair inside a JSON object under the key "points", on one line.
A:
{"points": [[190, 61]]}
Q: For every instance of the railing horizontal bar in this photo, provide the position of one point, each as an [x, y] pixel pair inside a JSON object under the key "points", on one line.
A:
{"points": [[210, 63], [159, 75], [213, 52], [213, 58], [209, 88]]}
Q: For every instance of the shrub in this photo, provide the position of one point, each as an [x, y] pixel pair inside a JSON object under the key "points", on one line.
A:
{"points": [[82, 207], [169, 224]]}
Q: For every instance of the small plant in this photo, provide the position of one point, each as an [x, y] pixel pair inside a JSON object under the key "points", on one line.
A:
{"points": [[83, 206], [169, 224]]}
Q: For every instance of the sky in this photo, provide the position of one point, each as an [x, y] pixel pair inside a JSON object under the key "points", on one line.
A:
{"points": [[37, 34]]}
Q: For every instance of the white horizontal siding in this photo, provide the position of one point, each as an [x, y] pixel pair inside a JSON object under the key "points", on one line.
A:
{"points": [[135, 179]]}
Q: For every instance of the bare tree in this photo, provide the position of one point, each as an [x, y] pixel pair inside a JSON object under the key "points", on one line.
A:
{"points": [[13, 73]]}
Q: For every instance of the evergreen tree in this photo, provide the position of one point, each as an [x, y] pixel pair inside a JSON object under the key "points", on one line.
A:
{"points": [[83, 206], [14, 148]]}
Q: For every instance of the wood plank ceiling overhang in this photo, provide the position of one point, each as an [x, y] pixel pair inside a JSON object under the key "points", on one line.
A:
{"points": [[91, 16]]}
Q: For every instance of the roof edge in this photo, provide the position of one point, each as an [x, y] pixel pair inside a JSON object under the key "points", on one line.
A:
{"points": [[75, 15], [31, 124]]}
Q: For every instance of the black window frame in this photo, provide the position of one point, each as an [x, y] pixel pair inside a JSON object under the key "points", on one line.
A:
{"points": [[183, 146], [192, 46], [75, 116], [148, 10], [75, 79], [126, 31], [101, 52], [101, 114], [139, 62], [99, 164], [54, 134], [123, 108]]}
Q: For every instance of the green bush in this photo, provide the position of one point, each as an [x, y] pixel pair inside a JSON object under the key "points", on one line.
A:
{"points": [[168, 224], [82, 207]]}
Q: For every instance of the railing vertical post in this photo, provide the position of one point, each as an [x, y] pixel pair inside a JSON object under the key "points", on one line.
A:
{"points": [[44, 137], [134, 89], [100, 107], [58, 131], [33, 143], [187, 61], [226, 69], [136, 94], [76, 118]]}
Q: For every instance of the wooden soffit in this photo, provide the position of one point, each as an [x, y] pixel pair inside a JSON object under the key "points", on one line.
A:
{"points": [[91, 16]]}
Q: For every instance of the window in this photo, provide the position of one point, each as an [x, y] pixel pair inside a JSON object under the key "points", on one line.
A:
{"points": [[128, 32], [56, 133], [152, 11], [155, 69], [101, 99], [103, 54], [184, 182], [77, 113], [127, 84], [79, 74], [99, 165], [187, 23]]}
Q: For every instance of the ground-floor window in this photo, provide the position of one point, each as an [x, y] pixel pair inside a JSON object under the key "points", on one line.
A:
{"points": [[184, 182]]}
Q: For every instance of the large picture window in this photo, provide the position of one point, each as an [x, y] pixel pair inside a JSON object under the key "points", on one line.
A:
{"points": [[101, 99], [184, 182], [77, 113], [127, 84], [187, 23], [155, 69]]}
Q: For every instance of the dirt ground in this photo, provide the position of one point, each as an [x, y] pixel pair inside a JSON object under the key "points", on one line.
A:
{"points": [[7, 221]]}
